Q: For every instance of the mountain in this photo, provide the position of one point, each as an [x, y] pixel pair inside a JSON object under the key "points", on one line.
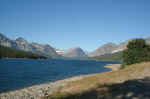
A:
{"points": [[6, 52], [111, 48], [7, 42], [105, 49], [75, 52], [21, 44], [116, 54], [46, 50]]}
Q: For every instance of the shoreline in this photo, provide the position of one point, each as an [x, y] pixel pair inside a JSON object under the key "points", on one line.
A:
{"points": [[113, 67], [38, 91], [104, 85], [41, 90]]}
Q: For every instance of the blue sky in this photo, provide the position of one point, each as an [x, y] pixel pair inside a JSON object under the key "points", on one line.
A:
{"points": [[67, 23]]}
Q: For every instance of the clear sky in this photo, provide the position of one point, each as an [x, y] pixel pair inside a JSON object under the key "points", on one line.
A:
{"points": [[67, 23]]}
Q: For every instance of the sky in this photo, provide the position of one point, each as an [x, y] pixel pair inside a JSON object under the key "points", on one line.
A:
{"points": [[67, 23]]}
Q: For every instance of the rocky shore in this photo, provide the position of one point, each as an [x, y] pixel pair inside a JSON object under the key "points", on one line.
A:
{"points": [[42, 90], [38, 91], [132, 82]]}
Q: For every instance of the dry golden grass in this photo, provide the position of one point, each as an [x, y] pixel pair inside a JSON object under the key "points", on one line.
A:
{"points": [[93, 82]]}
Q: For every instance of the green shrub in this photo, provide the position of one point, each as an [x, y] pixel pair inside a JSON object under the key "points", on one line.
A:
{"points": [[137, 51]]}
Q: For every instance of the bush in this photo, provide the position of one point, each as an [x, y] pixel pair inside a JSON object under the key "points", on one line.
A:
{"points": [[137, 51]]}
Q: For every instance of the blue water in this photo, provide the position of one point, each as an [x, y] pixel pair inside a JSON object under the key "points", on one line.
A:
{"points": [[20, 73]]}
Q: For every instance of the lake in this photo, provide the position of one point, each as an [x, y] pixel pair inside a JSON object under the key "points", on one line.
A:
{"points": [[20, 73]]}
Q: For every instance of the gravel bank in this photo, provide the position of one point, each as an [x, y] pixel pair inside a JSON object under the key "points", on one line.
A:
{"points": [[38, 91]]}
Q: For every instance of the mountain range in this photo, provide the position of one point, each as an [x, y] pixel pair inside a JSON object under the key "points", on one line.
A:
{"points": [[75, 52], [6, 52], [41, 49], [111, 48], [22, 44]]}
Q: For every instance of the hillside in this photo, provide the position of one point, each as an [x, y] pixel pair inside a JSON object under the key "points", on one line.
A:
{"points": [[109, 57], [6, 52], [131, 83]]}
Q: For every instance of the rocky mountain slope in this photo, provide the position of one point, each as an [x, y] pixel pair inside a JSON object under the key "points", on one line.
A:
{"points": [[107, 48], [6, 52], [75, 52], [7, 42], [111, 48], [22, 44]]}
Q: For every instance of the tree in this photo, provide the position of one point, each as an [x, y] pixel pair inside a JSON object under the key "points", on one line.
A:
{"points": [[137, 51]]}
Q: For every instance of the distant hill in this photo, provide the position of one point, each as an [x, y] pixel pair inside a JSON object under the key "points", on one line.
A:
{"points": [[21, 44], [75, 52], [6, 52], [109, 57]]}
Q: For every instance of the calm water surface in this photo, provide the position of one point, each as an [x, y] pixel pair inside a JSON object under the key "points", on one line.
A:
{"points": [[20, 73]]}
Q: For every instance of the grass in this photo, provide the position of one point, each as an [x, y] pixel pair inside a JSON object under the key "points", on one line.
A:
{"points": [[103, 86]]}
